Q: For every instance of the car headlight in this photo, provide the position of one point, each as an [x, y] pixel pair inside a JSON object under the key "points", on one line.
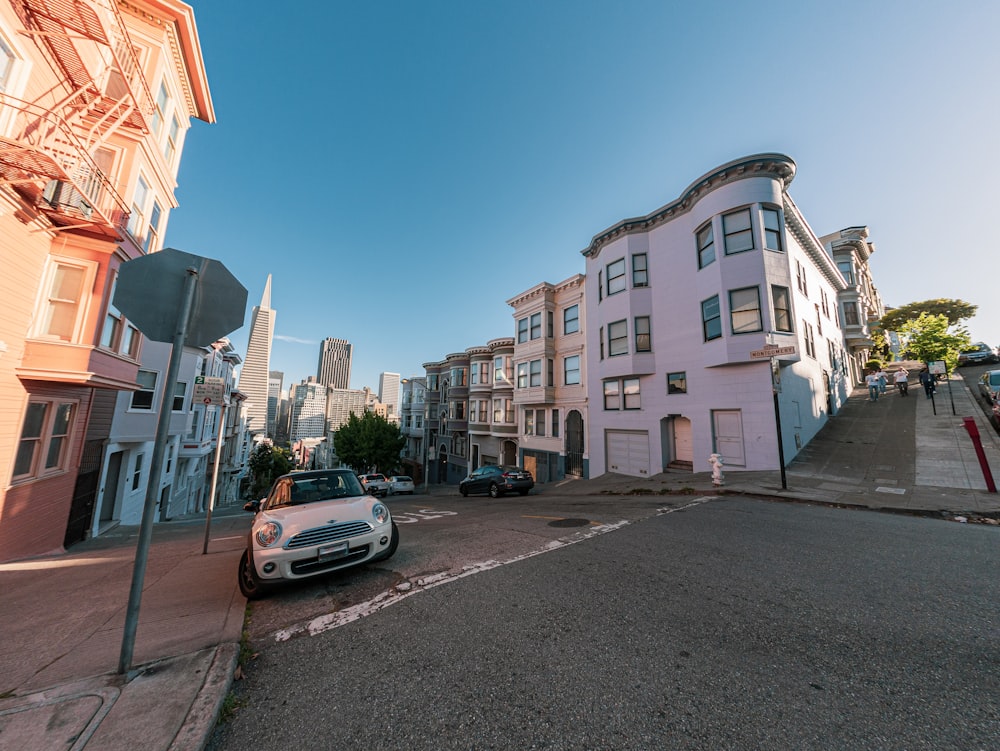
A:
{"points": [[380, 513], [268, 533]]}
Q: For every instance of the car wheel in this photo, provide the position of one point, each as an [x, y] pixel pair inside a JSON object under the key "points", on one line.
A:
{"points": [[393, 544], [464, 491], [250, 584], [495, 491]]}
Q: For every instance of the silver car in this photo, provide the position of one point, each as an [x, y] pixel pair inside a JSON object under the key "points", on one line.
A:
{"points": [[312, 523], [989, 385]]}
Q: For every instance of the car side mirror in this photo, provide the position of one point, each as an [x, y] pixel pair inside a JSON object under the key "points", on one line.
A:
{"points": [[253, 506]]}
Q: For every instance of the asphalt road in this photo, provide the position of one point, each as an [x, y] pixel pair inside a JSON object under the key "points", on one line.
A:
{"points": [[971, 374], [732, 624]]}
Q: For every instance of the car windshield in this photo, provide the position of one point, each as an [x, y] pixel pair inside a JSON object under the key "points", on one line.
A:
{"points": [[293, 490]]}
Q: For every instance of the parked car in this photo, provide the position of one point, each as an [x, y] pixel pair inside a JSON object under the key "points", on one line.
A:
{"points": [[376, 484], [400, 485], [977, 354], [989, 385], [312, 523], [497, 480]]}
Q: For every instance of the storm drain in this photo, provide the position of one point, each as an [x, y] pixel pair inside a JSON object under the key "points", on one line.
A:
{"points": [[569, 523]]}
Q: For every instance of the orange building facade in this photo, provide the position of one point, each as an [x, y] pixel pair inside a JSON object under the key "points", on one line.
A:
{"points": [[96, 97]]}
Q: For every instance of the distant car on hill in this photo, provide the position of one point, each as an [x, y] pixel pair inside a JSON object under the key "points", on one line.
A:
{"points": [[976, 354], [400, 485]]}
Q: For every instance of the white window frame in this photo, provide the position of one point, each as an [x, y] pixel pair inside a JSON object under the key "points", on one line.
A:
{"points": [[49, 302], [40, 463], [571, 319], [571, 370], [141, 390], [735, 238]]}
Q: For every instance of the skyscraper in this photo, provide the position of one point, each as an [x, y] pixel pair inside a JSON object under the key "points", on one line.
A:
{"points": [[334, 368], [275, 380], [388, 394], [254, 376]]}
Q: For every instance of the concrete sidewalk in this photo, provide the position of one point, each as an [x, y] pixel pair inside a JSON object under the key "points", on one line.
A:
{"points": [[63, 615]]}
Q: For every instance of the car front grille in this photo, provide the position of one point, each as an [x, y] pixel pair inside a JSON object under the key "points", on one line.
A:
{"points": [[329, 533], [312, 566]]}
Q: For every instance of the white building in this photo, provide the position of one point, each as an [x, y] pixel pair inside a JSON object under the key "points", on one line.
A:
{"points": [[308, 410], [388, 394], [680, 305]]}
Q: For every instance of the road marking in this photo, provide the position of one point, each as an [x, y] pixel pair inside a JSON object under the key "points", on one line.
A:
{"points": [[330, 621], [424, 513]]}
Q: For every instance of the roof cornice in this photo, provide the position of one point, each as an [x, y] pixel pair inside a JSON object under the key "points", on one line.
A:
{"points": [[811, 244], [775, 165]]}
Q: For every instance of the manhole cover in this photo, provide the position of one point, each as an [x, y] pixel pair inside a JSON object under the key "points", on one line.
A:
{"points": [[569, 523]]}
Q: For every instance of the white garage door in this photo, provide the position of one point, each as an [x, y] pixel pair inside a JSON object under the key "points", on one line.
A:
{"points": [[627, 452]]}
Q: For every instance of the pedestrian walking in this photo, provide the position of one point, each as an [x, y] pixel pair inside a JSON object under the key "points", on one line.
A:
{"points": [[927, 381], [871, 380], [882, 380], [900, 377]]}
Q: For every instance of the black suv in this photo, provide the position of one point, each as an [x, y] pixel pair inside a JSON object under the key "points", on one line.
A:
{"points": [[497, 480]]}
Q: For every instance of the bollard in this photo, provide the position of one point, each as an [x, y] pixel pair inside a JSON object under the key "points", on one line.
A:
{"points": [[973, 430]]}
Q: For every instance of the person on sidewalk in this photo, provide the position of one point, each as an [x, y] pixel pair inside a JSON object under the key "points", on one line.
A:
{"points": [[882, 380], [871, 380], [900, 377], [927, 381]]}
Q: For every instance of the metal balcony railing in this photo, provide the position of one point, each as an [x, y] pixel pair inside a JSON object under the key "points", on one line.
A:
{"points": [[47, 163]]}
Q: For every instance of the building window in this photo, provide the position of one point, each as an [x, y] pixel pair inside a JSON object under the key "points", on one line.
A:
{"points": [[555, 423], [781, 301], [137, 472], [549, 324], [137, 218], [540, 423], [529, 422], [571, 319], [160, 109], [617, 338], [744, 310], [536, 326], [677, 383], [772, 229], [152, 243], [616, 276], [535, 373], [642, 341], [44, 444], [600, 338], [458, 376], [800, 279], [614, 391], [847, 271], [706, 246], [630, 389], [851, 314], [737, 231], [600, 286], [170, 147], [143, 398], [522, 330], [571, 370], [612, 396], [550, 372], [7, 59], [64, 302], [522, 375], [432, 382], [180, 389], [640, 272], [807, 334], [711, 318], [819, 322], [824, 302]]}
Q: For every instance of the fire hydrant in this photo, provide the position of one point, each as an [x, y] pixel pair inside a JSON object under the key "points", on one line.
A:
{"points": [[716, 461]]}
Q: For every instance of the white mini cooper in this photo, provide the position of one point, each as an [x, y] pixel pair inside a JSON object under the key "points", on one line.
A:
{"points": [[313, 523]]}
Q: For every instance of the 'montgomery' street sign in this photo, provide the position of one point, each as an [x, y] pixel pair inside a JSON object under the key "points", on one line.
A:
{"points": [[771, 351]]}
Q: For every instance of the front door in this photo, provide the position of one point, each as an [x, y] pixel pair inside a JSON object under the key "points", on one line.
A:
{"points": [[728, 427], [683, 447], [574, 444]]}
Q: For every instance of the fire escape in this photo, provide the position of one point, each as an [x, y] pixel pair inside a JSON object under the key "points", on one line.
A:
{"points": [[48, 153]]}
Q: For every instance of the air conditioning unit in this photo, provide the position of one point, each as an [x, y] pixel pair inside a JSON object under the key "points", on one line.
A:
{"points": [[62, 195]]}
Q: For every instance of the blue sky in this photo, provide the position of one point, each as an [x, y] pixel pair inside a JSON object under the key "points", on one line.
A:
{"points": [[402, 168]]}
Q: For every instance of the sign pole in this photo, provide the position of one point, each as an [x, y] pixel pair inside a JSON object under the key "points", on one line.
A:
{"points": [[215, 478], [777, 425], [153, 486]]}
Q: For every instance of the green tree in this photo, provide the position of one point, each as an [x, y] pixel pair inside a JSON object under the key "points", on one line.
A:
{"points": [[266, 462], [954, 311], [929, 338], [369, 441]]}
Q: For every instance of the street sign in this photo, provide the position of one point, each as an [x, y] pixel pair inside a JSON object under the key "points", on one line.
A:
{"points": [[771, 350], [209, 390], [938, 367], [149, 290]]}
